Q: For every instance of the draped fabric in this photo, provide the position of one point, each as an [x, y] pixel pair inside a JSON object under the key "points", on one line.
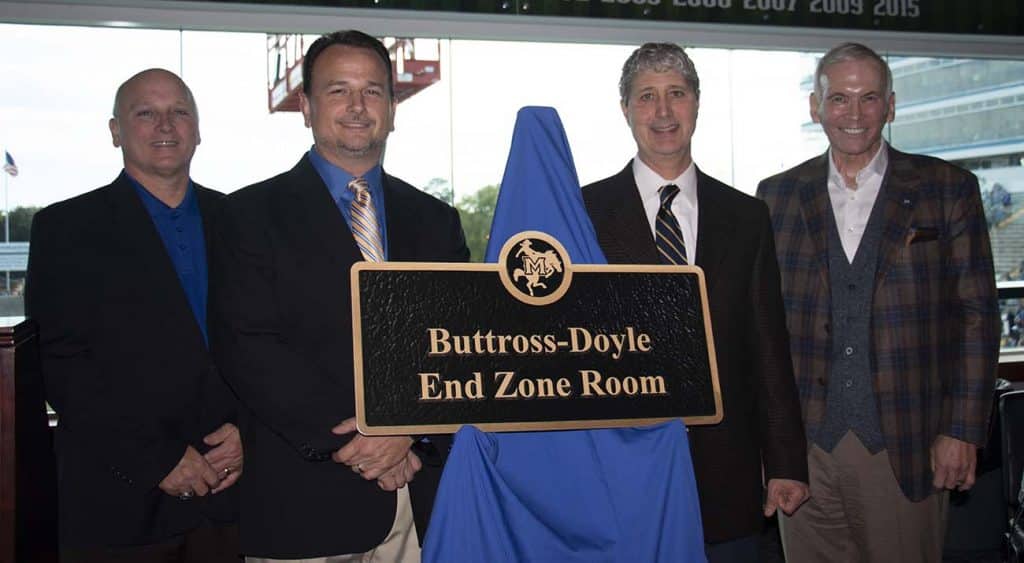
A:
{"points": [[618, 495]]}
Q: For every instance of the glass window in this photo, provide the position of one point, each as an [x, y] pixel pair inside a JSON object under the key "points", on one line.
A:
{"points": [[452, 136], [971, 112]]}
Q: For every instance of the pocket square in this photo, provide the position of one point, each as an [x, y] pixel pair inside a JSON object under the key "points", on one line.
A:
{"points": [[921, 234]]}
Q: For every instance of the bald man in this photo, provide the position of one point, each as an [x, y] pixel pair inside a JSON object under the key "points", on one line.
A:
{"points": [[147, 449]]}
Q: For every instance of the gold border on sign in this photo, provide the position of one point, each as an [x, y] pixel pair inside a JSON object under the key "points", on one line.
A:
{"points": [[510, 285], [357, 351]]}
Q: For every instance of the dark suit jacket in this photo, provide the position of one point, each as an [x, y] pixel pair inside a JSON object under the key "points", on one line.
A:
{"points": [[125, 368], [934, 314], [759, 399], [282, 333]]}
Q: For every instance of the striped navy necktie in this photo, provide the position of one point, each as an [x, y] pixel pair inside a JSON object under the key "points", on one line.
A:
{"points": [[668, 235], [364, 221]]}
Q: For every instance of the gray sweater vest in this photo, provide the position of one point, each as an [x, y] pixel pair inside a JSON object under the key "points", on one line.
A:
{"points": [[850, 401]]}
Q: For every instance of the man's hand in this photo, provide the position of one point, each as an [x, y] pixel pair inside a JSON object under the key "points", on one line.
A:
{"points": [[192, 475], [953, 463], [399, 475], [785, 494], [225, 457], [369, 456]]}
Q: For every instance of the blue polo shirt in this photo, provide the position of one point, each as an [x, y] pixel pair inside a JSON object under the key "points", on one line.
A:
{"points": [[181, 230], [337, 183]]}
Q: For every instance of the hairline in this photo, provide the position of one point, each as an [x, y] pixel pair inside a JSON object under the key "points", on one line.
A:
{"points": [[847, 52], [119, 94], [666, 57], [352, 38]]}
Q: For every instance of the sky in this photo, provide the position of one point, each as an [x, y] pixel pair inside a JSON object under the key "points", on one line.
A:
{"points": [[59, 88]]}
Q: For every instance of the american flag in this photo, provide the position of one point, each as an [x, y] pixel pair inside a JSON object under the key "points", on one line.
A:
{"points": [[9, 166]]}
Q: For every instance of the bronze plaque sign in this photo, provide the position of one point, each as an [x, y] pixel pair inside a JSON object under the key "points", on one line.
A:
{"points": [[533, 342]]}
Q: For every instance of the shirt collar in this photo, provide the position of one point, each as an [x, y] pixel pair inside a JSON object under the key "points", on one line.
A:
{"points": [[157, 208], [648, 182], [337, 178], [876, 167]]}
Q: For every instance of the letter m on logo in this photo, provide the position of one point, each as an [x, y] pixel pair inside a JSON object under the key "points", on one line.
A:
{"points": [[534, 265]]}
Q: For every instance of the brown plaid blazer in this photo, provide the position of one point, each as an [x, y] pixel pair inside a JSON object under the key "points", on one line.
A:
{"points": [[934, 315]]}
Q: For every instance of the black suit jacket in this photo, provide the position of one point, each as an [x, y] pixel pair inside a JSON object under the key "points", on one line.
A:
{"points": [[762, 421], [125, 368], [282, 333]]}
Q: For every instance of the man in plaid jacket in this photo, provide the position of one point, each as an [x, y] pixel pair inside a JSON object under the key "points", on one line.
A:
{"points": [[894, 325]]}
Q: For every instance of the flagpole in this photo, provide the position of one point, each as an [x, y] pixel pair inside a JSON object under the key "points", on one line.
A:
{"points": [[7, 212], [7, 231]]}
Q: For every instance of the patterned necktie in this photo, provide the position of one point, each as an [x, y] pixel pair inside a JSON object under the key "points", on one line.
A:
{"points": [[364, 222], [669, 237]]}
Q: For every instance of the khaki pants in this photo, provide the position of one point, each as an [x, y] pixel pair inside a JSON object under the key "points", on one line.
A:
{"points": [[400, 546], [857, 513]]}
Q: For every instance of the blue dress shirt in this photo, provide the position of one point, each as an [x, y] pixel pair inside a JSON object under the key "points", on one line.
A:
{"points": [[337, 183], [181, 230]]}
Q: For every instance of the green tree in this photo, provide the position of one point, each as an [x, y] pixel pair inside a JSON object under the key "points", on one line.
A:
{"points": [[21, 223], [441, 189], [476, 211]]}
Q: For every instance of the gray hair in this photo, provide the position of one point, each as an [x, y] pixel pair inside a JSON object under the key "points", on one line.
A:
{"points": [[850, 52], [138, 76], [659, 57]]}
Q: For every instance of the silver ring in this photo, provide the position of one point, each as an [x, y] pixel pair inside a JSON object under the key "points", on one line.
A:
{"points": [[359, 468], [187, 495], [227, 471]]}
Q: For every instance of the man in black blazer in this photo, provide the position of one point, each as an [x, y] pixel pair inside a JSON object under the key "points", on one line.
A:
{"points": [[282, 331], [146, 447], [662, 194]]}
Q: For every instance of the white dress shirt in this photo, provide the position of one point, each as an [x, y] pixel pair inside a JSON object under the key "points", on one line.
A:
{"points": [[852, 207], [684, 206]]}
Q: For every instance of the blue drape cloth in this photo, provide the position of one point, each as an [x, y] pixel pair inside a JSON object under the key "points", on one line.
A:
{"points": [[540, 190], [619, 495]]}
